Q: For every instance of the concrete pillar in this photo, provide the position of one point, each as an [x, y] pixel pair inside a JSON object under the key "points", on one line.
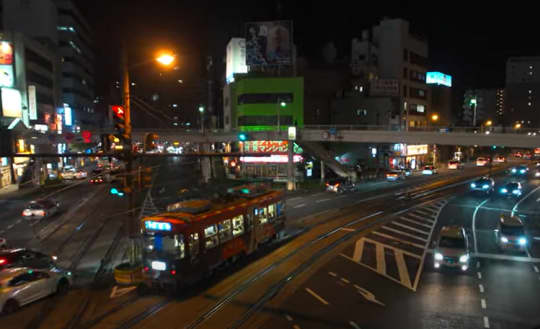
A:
{"points": [[322, 173], [291, 184], [206, 167]]}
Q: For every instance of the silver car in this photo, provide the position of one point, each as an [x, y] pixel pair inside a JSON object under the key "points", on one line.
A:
{"points": [[41, 209], [452, 249], [22, 285]]}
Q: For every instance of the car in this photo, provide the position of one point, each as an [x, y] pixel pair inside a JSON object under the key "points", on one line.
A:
{"points": [[537, 164], [512, 189], [20, 286], [395, 175], [41, 209], [97, 180], [510, 233], [484, 185], [340, 185], [68, 174], [97, 171], [3, 243], [527, 156], [452, 248], [518, 155], [455, 164], [429, 170], [519, 170], [536, 173], [499, 159], [22, 257], [482, 162]]}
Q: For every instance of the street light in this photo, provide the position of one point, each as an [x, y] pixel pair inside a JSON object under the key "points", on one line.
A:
{"points": [[517, 125], [165, 59], [201, 110], [282, 104], [471, 103], [434, 117], [489, 123]]}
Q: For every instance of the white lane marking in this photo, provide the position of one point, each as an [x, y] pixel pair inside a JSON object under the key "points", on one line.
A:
{"points": [[535, 268], [332, 274], [425, 212], [348, 229], [481, 288], [295, 198], [19, 221], [404, 233], [322, 200], [300, 205], [479, 274], [319, 298], [381, 261], [410, 220], [486, 322], [402, 269], [410, 228], [394, 249], [10, 227], [345, 280], [354, 325], [423, 218], [2, 232], [288, 317], [483, 303], [474, 223], [514, 209], [507, 257], [397, 239], [369, 296], [358, 250]]}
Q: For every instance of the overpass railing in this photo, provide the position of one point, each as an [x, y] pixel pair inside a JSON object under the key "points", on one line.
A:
{"points": [[441, 129]]}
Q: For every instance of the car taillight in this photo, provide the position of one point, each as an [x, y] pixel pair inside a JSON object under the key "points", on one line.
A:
{"points": [[146, 268], [41, 213], [337, 185], [26, 212], [3, 261], [173, 272]]}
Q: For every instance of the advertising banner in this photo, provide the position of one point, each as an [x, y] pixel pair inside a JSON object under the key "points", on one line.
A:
{"points": [[439, 78], [11, 103], [7, 78], [269, 43], [32, 102], [236, 58]]}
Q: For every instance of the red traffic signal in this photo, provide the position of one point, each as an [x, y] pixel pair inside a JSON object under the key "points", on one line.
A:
{"points": [[118, 111]]}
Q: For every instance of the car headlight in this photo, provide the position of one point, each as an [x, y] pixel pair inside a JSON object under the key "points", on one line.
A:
{"points": [[503, 190], [473, 185], [485, 186], [514, 170], [504, 239], [438, 256], [522, 241], [522, 171], [464, 258], [516, 192], [537, 174]]}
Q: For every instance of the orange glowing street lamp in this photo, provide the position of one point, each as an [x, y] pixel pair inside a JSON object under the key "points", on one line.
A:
{"points": [[165, 59], [489, 123], [434, 117]]}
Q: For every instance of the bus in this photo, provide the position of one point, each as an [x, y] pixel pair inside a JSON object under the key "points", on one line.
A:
{"points": [[194, 238]]}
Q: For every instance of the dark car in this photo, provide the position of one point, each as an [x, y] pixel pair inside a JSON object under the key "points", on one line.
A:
{"points": [[340, 185], [484, 185], [97, 180], [25, 258], [520, 170], [512, 189]]}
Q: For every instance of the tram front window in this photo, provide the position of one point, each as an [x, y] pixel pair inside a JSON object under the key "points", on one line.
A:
{"points": [[171, 245]]}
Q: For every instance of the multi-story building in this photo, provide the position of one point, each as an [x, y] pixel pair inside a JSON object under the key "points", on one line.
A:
{"points": [[521, 91], [392, 62], [500, 105], [75, 47], [440, 86], [480, 107]]}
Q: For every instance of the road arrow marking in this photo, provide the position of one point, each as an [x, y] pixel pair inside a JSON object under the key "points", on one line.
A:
{"points": [[117, 292], [368, 295]]}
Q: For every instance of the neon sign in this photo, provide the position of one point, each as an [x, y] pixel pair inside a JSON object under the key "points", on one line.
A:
{"points": [[157, 226]]}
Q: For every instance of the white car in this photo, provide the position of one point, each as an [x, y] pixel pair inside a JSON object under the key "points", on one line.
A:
{"points": [[429, 170], [452, 248], [482, 162], [20, 286], [41, 209], [3, 243], [74, 174]]}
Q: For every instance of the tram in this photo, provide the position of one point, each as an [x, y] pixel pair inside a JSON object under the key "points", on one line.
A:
{"points": [[194, 238]]}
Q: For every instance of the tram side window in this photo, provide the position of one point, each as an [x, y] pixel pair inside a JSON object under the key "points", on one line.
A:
{"points": [[280, 208], [194, 244], [210, 233], [272, 211], [238, 225], [225, 232], [263, 215], [180, 245]]}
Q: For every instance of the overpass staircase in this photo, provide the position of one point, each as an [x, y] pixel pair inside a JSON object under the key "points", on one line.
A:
{"points": [[328, 157]]}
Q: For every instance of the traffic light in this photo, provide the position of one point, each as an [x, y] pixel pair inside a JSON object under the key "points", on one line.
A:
{"points": [[242, 137], [119, 118]]}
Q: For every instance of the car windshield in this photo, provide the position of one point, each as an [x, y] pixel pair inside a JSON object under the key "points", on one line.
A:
{"points": [[512, 230], [35, 206], [512, 186], [483, 181], [453, 243]]}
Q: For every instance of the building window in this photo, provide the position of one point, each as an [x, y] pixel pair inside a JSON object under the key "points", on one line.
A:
{"points": [[530, 91], [361, 112], [405, 73], [529, 103]]}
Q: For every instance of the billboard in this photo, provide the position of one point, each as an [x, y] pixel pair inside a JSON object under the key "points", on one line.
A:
{"points": [[236, 58], [269, 43], [11, 103], [384, 87], [438, 78], [32, 102], [6, 64]]}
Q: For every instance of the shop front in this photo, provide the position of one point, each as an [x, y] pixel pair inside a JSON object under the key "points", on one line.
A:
{"points": [[408, 156]]}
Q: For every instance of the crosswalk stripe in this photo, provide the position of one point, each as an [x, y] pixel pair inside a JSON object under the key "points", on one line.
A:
{"points": [[402, 269], [409, 228], [404, 252], [398, 239], [410, 220], [404, 233], [420, 217], [358, 250], [381, 262], [422, 211], [433, 208]]}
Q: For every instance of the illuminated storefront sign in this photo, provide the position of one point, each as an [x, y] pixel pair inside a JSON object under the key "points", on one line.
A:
{"points": [[157, 226], [417, 149], [11, 103], [269, 147], [438, 78], [6, 64], [274, 158], [67, 115]]}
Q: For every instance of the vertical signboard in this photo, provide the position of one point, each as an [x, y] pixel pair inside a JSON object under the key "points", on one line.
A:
{"points": [[6, 64], [269, 43], [68, 119], [236, 58], [11, 103], [32, 102]]}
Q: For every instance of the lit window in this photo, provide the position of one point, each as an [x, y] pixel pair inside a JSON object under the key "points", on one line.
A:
{"points": [[530, 67], [529, 103], [238, 225], [74, 46], [210, 233], [225, 233]]}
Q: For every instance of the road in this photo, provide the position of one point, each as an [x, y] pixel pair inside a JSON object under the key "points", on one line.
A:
{"points": [[327, 249]]}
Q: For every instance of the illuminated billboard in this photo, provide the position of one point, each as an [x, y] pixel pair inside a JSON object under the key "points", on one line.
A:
{"points": [[438, 78], [11, 103], [417, 149], [269, 43], [6, 64], [236, 58], [32, 102]]}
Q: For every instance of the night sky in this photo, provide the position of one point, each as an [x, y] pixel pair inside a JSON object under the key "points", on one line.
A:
{"points": [[469, 42]]}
